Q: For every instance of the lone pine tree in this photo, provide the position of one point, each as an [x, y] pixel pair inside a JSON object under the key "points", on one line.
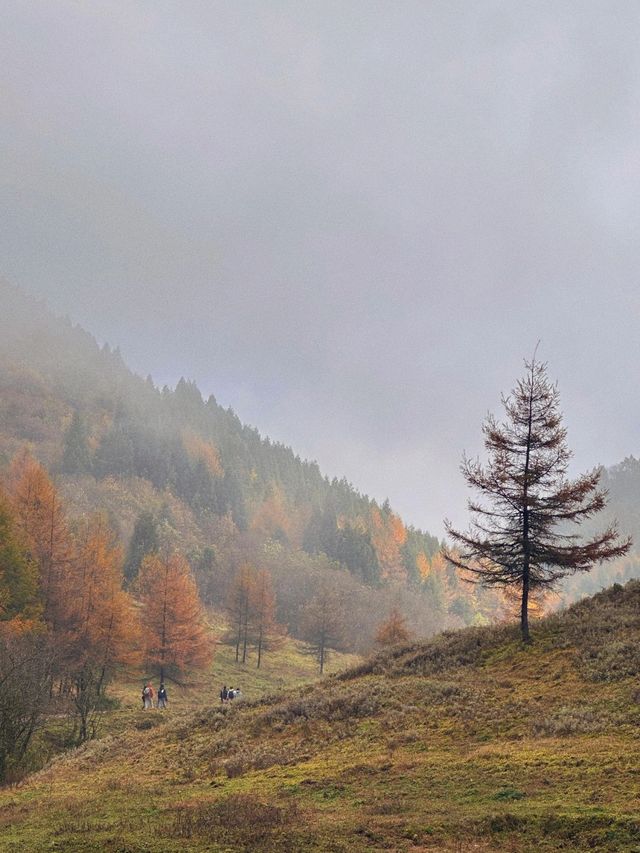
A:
{"points": [[522, 530]]}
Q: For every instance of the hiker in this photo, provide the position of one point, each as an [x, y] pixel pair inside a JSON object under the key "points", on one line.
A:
{"points": [[224, 694], [147, 696], [232, 693], [144, 696], [162, 697]]}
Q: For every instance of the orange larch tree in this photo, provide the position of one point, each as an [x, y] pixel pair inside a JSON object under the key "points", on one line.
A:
{"points": [[389, 534], [323, 622], [41, 517], [393, 630], [18, 573], [239, 607], [262, 605], [175, 633], [103, 632]]}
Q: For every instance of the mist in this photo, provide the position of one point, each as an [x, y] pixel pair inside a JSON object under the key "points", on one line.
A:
{"points": [[350, 222]]}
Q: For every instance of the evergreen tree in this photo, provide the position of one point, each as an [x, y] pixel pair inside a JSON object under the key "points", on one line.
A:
{"points": [[355, 549], [18, 574], [76, 458], [521, 533], [144, 541], [116, 454]]}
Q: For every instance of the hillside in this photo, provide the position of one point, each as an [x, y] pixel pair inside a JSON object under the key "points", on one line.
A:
{"points": [[211, 486], [468, 742]]}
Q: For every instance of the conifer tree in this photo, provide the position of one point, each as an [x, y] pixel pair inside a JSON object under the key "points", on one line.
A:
{"points": [[18, 573], [239, 608], [42, 520], [104, 632], [323, 624], [76, 458], [144, 541], [393, 630], [522, 532], [173, 621], [263, 613]]}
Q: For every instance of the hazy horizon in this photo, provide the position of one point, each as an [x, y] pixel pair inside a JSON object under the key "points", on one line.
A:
{"points": [[350, 223]]}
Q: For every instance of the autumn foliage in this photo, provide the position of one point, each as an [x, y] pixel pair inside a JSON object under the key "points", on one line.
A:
{"points": [[175, 633], [251, 607], [62, 592], [393, 630]]}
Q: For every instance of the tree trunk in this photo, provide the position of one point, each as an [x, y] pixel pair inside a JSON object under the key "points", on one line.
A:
{"points": [[239, 637], [245, 637], [244, 647], [524, 610]]}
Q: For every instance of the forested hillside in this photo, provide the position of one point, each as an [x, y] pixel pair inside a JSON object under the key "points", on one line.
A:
{"points": [[622, 482], [172, 468]]}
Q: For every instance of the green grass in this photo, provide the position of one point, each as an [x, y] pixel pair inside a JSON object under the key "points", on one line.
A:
{"points": [[282, 668], [469, 742]]}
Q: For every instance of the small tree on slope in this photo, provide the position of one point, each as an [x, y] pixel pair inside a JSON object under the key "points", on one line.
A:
{"points": [[393, 630], [521, 532], [323, 621]]}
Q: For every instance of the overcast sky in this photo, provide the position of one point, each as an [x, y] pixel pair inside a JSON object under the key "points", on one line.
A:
{"points": [[348, 220]]}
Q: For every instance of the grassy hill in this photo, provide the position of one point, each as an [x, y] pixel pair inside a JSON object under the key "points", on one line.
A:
{"points": [[470, 741]]}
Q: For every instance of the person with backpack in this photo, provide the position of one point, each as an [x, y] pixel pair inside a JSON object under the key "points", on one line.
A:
{"points": [[224, 694], [162, 697]]}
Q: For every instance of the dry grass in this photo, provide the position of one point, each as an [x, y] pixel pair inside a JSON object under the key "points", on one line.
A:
{"points": [[470, 742]]}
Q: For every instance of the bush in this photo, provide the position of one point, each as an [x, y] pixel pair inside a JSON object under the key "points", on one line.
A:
{"points": [[329, 705], [242, 819], [571, 721]]}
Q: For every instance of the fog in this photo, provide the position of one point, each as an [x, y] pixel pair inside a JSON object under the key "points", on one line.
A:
{"points": [[349, 221]]}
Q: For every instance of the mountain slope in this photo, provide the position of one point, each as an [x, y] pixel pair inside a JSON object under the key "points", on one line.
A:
{"points": [[468, 742], [215, 488], [224, 495]]}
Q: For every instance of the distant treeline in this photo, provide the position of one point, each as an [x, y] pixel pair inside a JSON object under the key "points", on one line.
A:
{"points": [[213, 486]]}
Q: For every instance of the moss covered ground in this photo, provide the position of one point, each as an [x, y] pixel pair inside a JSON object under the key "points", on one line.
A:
{"points": [[469, 742]]}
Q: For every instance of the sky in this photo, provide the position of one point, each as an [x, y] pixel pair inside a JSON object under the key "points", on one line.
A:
{"points": [[350, 221]]}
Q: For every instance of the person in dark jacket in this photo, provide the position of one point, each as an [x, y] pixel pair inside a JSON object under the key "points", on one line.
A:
{"points": [[162, 697]]}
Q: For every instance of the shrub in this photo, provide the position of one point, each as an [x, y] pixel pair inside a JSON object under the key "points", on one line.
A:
{"points": [[239, 818], [571, 721]]}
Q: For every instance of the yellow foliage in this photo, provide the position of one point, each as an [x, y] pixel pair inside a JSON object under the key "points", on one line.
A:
{"points": [[423, 565], [275, 517], [388, 535], [199, 449], [173, 620]]}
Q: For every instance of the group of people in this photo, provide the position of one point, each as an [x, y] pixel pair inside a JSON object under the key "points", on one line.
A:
{"points": [[148, 697], [229, 693], [149, 700]]}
